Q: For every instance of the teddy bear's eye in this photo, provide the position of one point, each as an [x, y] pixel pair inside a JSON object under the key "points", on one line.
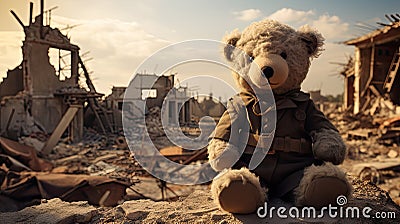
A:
{"points": [[283, 55]]}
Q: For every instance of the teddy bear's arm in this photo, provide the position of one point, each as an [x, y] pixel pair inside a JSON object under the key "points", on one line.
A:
{"points": [[328, 145], [223, 150], [222, 155]]}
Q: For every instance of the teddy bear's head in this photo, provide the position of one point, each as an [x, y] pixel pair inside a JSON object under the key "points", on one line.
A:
{"points": [[271, 52]]}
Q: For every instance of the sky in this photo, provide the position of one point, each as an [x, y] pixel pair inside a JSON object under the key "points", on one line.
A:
{"points": [[119, 35]]}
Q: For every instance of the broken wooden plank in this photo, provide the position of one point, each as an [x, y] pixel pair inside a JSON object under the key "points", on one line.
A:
{"points": [[359, 134], [105, 157], [93, 107], [59, 130], [378, 165], [69, 159]]}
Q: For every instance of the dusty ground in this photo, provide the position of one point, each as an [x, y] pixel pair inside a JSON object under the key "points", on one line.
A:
{"points": [[198, 207]]}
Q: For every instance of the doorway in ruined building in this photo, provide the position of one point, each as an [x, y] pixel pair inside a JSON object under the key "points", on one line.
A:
{"points": [[350, 91]]}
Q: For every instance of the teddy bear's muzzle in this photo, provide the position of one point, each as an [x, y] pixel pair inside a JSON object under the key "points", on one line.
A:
{"points": [[269, 71]]}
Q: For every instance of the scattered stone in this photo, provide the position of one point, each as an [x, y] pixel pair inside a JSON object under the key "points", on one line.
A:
{"points": [[53, 211], [34, 142], [392, 154]]}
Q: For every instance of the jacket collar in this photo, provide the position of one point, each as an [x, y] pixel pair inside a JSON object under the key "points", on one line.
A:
{"points": [[282, 101], [287, 100]]}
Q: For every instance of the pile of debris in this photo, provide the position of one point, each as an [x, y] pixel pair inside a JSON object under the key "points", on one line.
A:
{"points": [[373, 145], [77, 172], [99, 163]]}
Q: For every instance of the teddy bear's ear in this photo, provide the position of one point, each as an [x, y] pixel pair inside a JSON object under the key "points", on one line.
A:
{"points": [[312, 39], [230, 41]]}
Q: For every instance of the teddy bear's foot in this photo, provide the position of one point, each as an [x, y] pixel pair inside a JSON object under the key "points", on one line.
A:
{"points": [[321, 185], [238, 191]]}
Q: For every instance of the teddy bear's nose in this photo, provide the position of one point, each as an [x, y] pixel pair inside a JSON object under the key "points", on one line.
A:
{"points": [[268, 72]]}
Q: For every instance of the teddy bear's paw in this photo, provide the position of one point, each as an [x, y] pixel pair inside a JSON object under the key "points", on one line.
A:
{"points": [[239, 197], [238, 191], [222, 155], [322, 185], [328, 146]]}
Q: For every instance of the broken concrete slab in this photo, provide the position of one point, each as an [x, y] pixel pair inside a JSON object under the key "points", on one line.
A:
{"points": [[52, 211]]}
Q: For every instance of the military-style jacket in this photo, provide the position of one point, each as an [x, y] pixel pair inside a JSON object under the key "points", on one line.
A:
{"points": [[291, 151]]}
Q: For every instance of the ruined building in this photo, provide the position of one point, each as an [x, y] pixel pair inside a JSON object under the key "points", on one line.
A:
{"points": [[148, 91], [372, 79], [37, 97], [40, 96]]}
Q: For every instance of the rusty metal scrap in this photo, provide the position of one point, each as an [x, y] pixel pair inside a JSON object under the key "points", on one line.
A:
{"points": [[21, 185], [27, 186], [24, 154]]}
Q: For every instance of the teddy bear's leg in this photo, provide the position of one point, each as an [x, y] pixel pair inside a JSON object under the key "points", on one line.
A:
{"points": [[321, 185], [238, 191]]}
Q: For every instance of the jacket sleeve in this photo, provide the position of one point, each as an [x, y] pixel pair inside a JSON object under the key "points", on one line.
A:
{"points": [[231, 123], [328, 145], [316, 120]]}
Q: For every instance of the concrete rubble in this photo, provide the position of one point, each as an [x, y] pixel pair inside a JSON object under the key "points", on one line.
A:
{"points": [[369, 158], [53, 211]]}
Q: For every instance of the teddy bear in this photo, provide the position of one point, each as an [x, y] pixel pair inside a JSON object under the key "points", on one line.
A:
{"points": [[299, 159]]}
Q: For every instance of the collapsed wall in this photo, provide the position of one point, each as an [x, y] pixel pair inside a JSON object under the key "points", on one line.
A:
{"points": [[34, 96]]}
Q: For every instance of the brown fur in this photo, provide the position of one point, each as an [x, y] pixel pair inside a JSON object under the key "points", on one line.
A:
{"points": [[313, 172], [221, 154], [328, 146], [215, 148], [244, 174], [271, 37]]}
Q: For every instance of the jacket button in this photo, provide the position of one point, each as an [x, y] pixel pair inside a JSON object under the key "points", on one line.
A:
{"points": [[300, 115]]}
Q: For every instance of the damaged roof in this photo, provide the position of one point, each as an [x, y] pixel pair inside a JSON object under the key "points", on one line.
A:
{"points": [[386, 34]]}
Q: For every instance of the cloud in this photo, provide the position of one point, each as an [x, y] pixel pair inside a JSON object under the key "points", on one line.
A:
{"points": [[287, 15], [323, 72], [248, 14], [10, 50], [332, 27], [117, 48]]}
